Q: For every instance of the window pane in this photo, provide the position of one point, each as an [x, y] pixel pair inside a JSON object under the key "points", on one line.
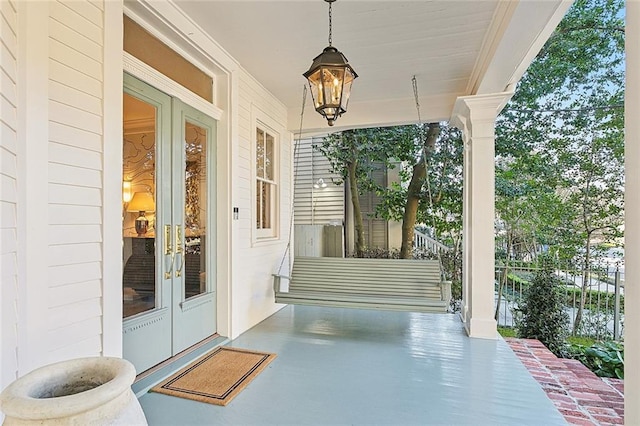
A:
{"points": [[258, 204], [195, 209], [268, 158], [259, 153], [266, 206]]}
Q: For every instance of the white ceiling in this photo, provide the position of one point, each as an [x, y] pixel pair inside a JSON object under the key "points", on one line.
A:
{"points": [[454, 48]]}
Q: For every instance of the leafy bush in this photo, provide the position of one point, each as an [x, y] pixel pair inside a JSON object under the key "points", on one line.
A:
{"points": [[605, 359], [382, 253], [541, 313], [378, 253], [596, 300]]}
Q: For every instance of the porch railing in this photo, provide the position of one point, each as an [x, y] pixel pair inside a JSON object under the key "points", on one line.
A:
{"points": [[424, 241], [603, 315]]}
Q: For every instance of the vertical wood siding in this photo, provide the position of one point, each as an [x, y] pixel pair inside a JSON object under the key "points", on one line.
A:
{"points": [[8, 193], [75, 179]]}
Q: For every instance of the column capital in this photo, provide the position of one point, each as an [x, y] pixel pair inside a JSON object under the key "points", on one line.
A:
{"points": [[478, 108]]}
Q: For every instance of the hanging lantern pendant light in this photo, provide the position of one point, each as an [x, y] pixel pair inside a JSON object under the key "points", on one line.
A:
{"points": [[330, 78]]}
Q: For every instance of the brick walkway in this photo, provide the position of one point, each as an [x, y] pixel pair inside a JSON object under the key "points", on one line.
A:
{"points": [[581, 396]]}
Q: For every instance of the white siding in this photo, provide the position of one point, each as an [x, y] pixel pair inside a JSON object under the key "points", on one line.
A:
{"points": [[8, 199], [74, 323], [51, 182], [255, 261], [316, 206]]}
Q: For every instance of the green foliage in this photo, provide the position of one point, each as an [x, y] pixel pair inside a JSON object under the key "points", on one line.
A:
{"points": [[377, 253], [507, 331], [444, 172], [541, 314], [559, 141], [382, 253], [366, 148], [456, 295], [605, 359], [580, 340], [595, 300]]}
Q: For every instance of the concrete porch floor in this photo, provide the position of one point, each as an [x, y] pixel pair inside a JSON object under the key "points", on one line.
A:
{"points": [[349, 366]]}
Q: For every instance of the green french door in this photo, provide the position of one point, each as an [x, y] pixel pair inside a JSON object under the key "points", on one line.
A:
{"points": [[169, 299]]}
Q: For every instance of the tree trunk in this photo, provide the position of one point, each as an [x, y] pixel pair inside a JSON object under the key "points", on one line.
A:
{"points": [[357, 212], [586, 278], [414, 192], [503, 281]]}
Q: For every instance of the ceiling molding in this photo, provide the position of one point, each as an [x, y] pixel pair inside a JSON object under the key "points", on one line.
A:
{"points": [[529, 28], [499, 24]]}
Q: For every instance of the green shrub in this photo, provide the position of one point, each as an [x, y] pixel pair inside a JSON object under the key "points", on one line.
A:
{"points": [[605, 359], [540, 315], [596, 300]]}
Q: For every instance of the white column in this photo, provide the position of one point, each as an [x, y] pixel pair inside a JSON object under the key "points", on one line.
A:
{"points": [[476, 116], [632, 216], [466, 226]]}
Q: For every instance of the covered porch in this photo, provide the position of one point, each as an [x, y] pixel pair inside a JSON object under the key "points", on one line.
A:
{"points": [[62, 277], [352, 366]]}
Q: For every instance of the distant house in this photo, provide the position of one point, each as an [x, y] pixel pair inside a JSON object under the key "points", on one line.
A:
{"points": [[323, 204]]}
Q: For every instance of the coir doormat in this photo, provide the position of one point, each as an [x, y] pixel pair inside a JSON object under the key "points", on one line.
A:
{"points": [[218, 377]]}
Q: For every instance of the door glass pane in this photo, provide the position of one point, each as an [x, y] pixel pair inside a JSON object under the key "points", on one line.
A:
{"points": [[138, 206], [195, 210]]}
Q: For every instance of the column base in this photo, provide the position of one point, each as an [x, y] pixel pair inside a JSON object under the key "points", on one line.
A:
{"points": [[482, 328]]}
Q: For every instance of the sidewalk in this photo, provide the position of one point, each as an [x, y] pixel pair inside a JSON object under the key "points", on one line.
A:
{"points": [[581, 396]]}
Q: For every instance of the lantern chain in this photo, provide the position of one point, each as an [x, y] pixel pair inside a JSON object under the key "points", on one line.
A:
{"points": [[330, 18]]}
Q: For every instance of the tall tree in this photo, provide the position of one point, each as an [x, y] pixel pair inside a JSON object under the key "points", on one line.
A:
{"points": [[566, 115], [430, 192], [353, 153], [415, 190]]}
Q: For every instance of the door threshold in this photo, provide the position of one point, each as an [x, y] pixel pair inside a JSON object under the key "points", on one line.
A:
{"points": [[149, 378]]}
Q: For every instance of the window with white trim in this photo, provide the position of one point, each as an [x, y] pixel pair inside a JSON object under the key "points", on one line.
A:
{"points": [[266, 184]]}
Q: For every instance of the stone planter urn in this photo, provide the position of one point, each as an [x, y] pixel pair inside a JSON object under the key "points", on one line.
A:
{"points": [[83, 391]]}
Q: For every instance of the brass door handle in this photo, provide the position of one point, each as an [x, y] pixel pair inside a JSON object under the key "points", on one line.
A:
{"points": [[169, 255], [167, 239], [180, 249]]}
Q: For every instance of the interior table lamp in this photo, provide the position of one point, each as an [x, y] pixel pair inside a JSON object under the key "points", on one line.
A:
{"points": [[141, 202]]}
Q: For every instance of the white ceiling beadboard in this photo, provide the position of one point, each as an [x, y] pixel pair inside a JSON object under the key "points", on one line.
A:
{"points": [[455, 48]]}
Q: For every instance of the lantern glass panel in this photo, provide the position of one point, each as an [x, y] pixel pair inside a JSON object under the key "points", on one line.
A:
{"points": [[332, 78], [315, 84], [346, 91]]}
